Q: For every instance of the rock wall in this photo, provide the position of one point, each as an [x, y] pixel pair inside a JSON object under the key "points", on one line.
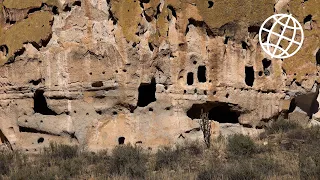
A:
{"points": [[100, 73]]}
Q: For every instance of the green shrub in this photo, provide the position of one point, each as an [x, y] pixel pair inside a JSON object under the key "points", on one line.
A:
{"points": [[61, 151], [240, 145], [193, 148], [11, 160], [129, 160], [242, 171], [167, 157], [282, 125], [6, 159]]}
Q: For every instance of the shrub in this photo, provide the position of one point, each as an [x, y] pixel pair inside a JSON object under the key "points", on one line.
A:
{"points": [[240, 145], [6, 159], [60, 151], [193, 148], [167, 157], [129, 160], [282, 125], [11, 160], [242, 171]]}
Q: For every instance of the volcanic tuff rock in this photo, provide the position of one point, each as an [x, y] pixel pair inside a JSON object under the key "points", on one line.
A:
{"points": [[100, 73]]}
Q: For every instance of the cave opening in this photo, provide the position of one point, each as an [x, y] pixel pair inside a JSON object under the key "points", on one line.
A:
{"points": [[217, 111], [249, 78], [244, 45], [40, 140], [318, 57], [307, 19], [190, 78], [4, 50], [210, 4], [40, 104], [121, 140], [147, 93], [266, 63], [202, 74]]}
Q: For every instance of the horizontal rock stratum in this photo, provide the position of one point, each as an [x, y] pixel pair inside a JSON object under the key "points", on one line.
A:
{"points": [[100, 73]]}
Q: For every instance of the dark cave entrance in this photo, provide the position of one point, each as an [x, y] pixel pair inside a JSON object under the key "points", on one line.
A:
{"points": [[318, 57], [190, 78], [266, 66], [40, 104], [121, 140], [202, 74], [147, 93], [218, 111], [249, 79]]}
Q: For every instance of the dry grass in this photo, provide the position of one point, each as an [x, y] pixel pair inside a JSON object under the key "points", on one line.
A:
{"points": [[288, 154]]}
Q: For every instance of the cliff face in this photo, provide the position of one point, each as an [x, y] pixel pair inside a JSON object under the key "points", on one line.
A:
{"points": [[99, 73]]}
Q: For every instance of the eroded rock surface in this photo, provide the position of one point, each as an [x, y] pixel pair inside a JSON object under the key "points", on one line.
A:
{"points": [[100, 73]]}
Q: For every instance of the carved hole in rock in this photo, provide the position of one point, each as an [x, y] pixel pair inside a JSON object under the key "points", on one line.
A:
{"points": [[227, 95], [114, 112], [55, 10], [190, 78], [202, 74], [218, 111], [3, 51], [226, 40], [205, 92], [150, 46], [158, 11], [35, 82], [173, 11], [121, 140], [318, 58], [147, 93], [40, 104], [99, 112], [40, 140], [97, 84], [254, 29], [3, 138], [266, 63], [244, 45], [144, 1], [266, 66], [112, 17], [77, 3], [32, 130], [307, 19], [67, 8], [150, 109], [210, 4], [249, 79], [260, 73]]}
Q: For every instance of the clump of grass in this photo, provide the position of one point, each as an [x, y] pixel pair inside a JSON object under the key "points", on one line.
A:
{"points": [[129, 160], [240, 145], [282, 126], [61, 151]]}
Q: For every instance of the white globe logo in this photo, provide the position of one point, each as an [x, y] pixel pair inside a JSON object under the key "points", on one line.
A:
{"points": [[284, 38]]}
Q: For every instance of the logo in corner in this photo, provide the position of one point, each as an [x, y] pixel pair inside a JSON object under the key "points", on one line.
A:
{"points": [[281, 36]]}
